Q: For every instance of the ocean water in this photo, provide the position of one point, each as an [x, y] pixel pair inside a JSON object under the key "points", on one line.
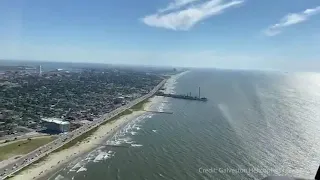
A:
{"points": [[255, 124]]}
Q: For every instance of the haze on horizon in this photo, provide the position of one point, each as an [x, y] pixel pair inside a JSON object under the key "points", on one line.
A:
{"points": [[233, 34]]}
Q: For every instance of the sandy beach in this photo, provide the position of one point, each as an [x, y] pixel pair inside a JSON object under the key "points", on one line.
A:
{"points": [[56, 160]]}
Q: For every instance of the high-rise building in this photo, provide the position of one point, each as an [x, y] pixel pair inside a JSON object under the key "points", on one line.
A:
{"points": [[57, 125], [39, 70]]}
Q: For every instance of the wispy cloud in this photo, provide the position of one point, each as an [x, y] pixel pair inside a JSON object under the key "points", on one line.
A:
{"points": [[291, 19], [186, 18], [177, 4]]}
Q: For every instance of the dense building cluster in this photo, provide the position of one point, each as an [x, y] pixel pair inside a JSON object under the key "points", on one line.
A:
{"points": [[26, 97]]}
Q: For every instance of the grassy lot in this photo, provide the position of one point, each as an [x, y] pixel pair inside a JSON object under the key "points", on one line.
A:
{"points": [[23, 147]]}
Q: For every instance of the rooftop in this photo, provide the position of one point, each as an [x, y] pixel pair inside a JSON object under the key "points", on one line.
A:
{"points": [[55, 120]]}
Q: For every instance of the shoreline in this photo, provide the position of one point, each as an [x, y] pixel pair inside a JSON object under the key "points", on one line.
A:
{"points": [[57, 160], [53, 163]]}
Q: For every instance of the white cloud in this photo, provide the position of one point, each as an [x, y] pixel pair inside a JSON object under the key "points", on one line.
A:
{"points": [[177, 4], [187, 18], [291, 19]]}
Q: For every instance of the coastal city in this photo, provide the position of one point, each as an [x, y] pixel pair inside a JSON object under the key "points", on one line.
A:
{"points": [[30, 98], [40, 111], [159, 90]]}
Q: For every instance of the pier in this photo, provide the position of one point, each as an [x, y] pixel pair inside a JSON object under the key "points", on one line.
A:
{"points": [[183, 96]]}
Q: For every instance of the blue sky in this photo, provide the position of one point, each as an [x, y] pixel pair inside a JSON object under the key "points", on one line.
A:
{"points": [[238, 34]]}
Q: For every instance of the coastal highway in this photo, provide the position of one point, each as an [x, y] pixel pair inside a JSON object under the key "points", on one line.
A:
{"points": [[63, 139]]}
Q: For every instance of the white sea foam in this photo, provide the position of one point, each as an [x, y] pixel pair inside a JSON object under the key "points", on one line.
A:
{"points": [[109, 155], [59, 177], [129, 142], [161, 107], [100, 156], [149, 116], [119, 138], [136, 145], [113, 142], [129, 129], [125, 139], [95, 156], [82, 169], [171, 83], [78, 165], [137, 128], [90, 157]]}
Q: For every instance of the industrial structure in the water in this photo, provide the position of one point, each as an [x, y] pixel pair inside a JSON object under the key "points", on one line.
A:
{"points": [[183, 96]]}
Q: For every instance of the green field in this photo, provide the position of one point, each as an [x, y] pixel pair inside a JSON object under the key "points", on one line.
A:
{"points": [[23, 147]]}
